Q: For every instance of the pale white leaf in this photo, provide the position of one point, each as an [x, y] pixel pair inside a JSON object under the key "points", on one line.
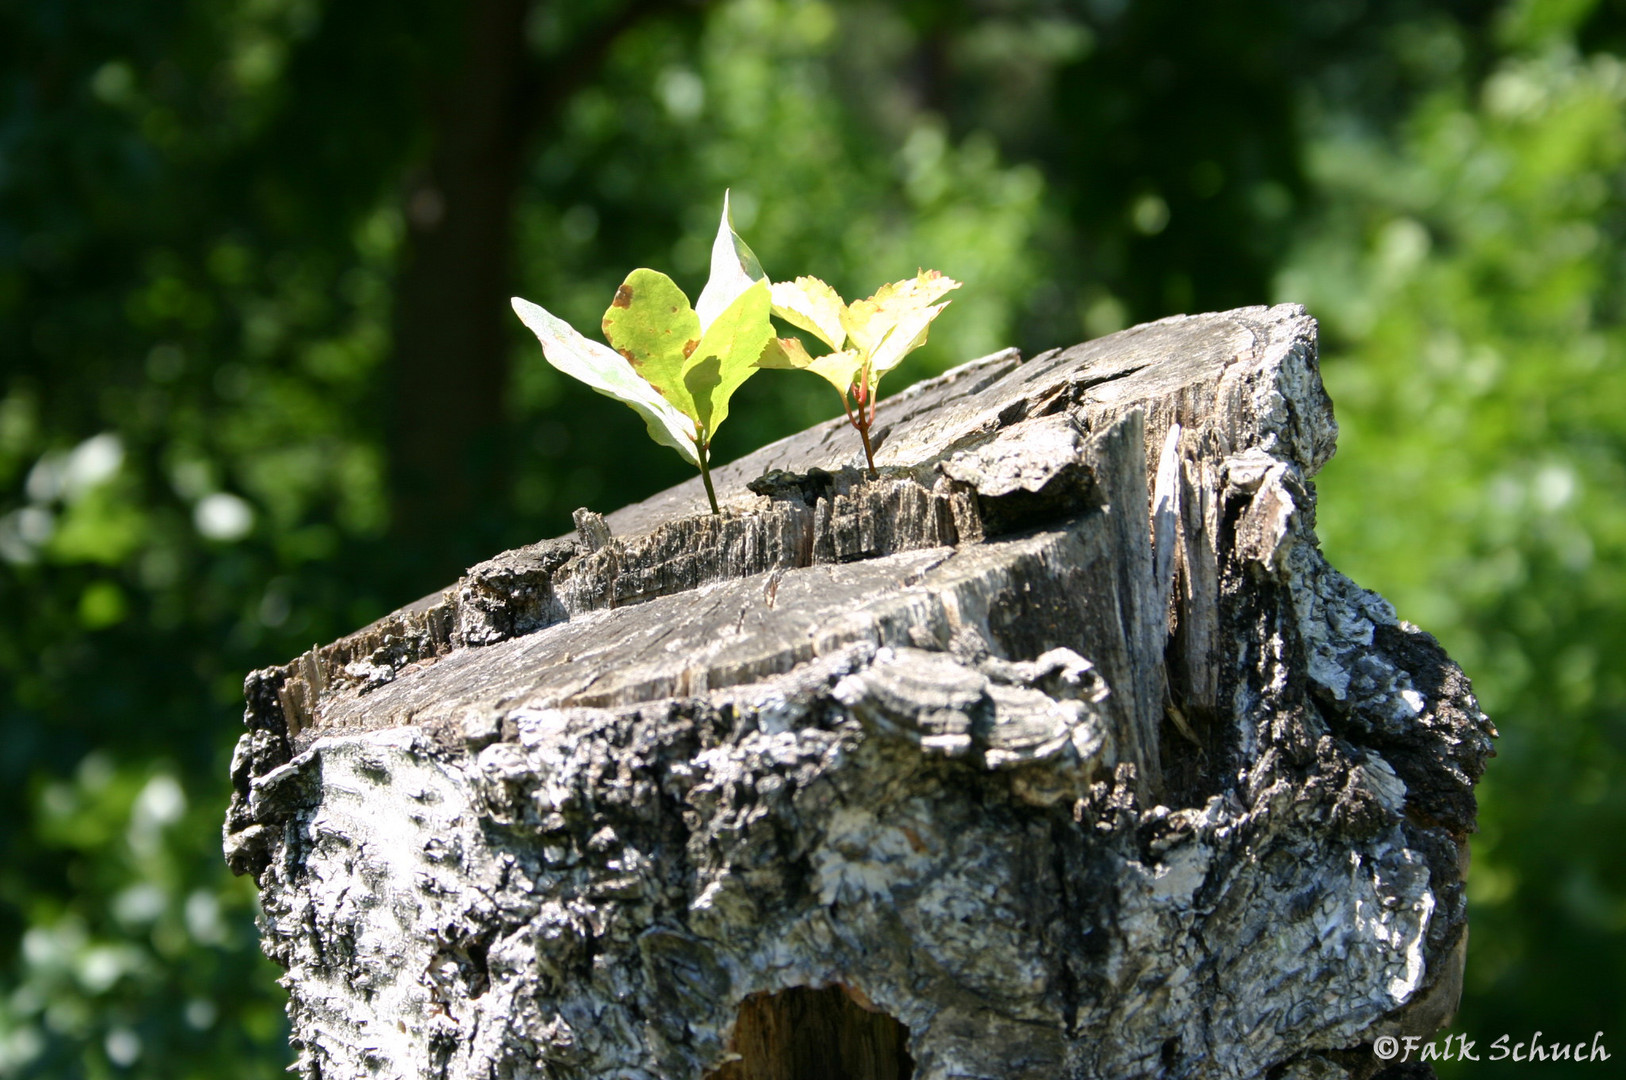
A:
{"points": [[733, 270], [609, 373], [809, 304], [903, 338], [869, 321]]}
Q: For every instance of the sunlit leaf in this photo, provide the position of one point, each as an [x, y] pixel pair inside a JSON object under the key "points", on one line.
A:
{"points": [[774, 355], [728, 355], [733, 270], [869, 321], [791, 355], [880, 331], [839, 369], [651, 324], [905, 336], [809, 304], [611, 374], [676, 365]]}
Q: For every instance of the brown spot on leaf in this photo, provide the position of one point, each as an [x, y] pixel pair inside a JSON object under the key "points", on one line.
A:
{"points": [[628, 354], [689, 347], [623, 296]]}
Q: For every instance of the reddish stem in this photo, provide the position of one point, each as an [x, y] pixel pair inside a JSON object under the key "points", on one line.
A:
{"points": [[869, 451], [862, 420]]}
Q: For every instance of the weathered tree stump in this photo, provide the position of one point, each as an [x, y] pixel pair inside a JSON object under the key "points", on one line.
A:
{"points": [[1056, 751]]}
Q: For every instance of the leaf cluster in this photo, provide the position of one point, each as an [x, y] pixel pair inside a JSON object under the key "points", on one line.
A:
{"points": [[867, 338], [677, 366]]}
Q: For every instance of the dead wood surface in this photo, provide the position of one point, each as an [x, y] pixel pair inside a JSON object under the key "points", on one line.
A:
{"points": [[1056, 750]]}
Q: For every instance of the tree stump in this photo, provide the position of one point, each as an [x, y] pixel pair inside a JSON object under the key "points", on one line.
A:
{"points": [[1058, 750]]}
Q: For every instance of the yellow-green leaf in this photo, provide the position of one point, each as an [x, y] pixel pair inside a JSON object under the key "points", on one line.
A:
{"points": [[790, 355], [784, 354], [651, 324], [839, 369], [905, 336], [869, 321], [809, 304], [727, 355]]}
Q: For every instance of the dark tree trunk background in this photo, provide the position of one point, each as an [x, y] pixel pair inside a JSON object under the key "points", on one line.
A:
{"points": [[450, 346], [449, 434]]}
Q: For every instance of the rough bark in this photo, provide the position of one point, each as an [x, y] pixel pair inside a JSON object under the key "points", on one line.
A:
{"points": [[1058, 750]]}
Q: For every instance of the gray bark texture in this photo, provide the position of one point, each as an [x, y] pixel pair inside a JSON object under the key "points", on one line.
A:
{"points": [[1058, 750]]}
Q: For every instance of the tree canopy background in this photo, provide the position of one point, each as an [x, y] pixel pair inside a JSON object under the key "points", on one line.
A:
{"points": [[260, 382]]}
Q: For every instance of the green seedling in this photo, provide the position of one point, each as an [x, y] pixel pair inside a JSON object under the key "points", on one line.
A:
{"points": [[868, 337], [674, 365]]}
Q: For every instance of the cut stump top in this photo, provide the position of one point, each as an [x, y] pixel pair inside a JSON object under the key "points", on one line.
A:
{"points": [[1059, 743]]}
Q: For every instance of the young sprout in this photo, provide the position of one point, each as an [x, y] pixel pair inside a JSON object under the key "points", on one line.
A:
{"points": [[869, 337], [674, 365]]}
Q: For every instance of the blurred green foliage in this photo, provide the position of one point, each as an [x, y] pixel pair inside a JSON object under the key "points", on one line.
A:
{"points": [[208, 211], [1467, 268]]}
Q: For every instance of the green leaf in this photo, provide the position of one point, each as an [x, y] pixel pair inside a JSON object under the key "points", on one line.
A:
{"points": [[727, 355], [651, 324], [733, 270], [609, 373], [676, 365], [791, 355], [809, 304]]}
